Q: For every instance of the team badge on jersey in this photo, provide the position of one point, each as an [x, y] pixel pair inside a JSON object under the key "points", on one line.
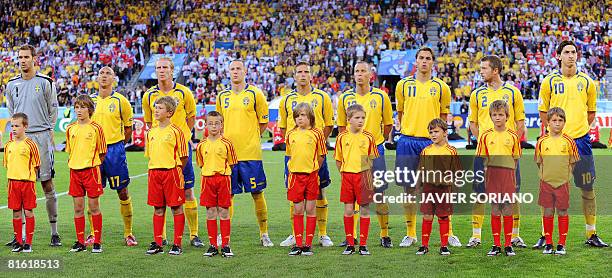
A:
{"points": [[313, 104], [112, 107], [432, 91], [372, 104], [245, 101], [580, 86], [506, 98], [37, 88]]}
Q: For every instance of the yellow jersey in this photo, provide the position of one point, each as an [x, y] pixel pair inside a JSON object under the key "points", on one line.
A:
{"points": [[114, 114], [355, 151], [165, 147], [499, 148], [576, 95], [481, 99], [304, 147], [377, 105], [242, 113], [420, 103], [84, 143], [439, 158], [185, 108], [21, 159], [555, 157], [319, 101], [216, 157]]}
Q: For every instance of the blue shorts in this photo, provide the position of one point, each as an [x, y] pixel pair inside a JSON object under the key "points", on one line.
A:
{"points": [[188, 171], [380, 165], [480, 187], [248, 176], [584, 170], [408, 152], [324, 179], [114, 168]]}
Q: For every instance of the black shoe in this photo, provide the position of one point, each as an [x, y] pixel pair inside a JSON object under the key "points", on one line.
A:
{"points": [[509, 251], [495, 250], [17, 247], [350, 250], [27, 248], [164, 242], [540, 243], [343, 243], [154, 248], [595, 241], [422, 250], [12, 242], [97, 248], [295, 251], [176, 250], [211, 252], [307, 251], [196, 242], [560, 250], [385, 242], [363, 250], [548, 249], [55, 241], [78, 247], [444, 251], [226, 252]]}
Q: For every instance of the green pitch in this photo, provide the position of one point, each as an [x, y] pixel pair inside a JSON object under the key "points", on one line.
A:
{"points": [[253, 260]]}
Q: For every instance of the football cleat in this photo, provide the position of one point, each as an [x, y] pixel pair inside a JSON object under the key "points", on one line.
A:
{"points": [[422, 250], [560, 250], [154, 248], [595, 241], [265, 241], [307, 251], [495, 250], [363, 250], [164, 242], [226, 252], [325, 241], [12, 242], [290, 241], [548, 249], [350, 250], [55, 241], [211, 252], [444, 251], [454, 241], [27, 248], [407, 241], [518, 242], [97, 248], [196, 242], [131, 241], [474, 242], [385, 242], [17, 247], [295, 251], [176, 250], [90, 240], [78, 247], [509, 251], [540, 243], [344, 243]]}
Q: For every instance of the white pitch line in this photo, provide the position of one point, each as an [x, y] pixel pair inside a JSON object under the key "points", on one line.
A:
{"points": [[66, 192]]}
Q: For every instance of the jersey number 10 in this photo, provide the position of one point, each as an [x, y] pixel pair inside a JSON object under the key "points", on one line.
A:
{"points": [[559, 88]]}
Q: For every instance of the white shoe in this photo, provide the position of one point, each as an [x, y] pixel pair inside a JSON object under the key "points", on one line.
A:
{"points": [[407, 241], [454, 241], [265, 241], [518, 242], [325, 241], [219, 240], [290, 241], [474, 241]]}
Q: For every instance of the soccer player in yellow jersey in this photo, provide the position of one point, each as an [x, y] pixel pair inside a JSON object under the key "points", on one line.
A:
{"points": [[480, 100], [114, 113], [245, 111], [22, 160], [86, 145], [184, 118], [420, 99], [576, 93], [379, 121], [321, 105]]}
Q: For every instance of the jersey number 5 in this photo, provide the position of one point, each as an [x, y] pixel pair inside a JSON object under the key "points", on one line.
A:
{"points": [[226, 103]]}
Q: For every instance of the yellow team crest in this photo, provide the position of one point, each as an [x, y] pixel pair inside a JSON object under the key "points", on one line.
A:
{"points": [[373, 104], [433, 91], [506, 98], [245, 101], [313, 104], [37, 88], [580, 86], [564, 148], [112, 107]]}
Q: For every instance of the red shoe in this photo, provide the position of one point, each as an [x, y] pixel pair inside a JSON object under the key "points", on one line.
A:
{"points": [[89, 241], [131, 241]]}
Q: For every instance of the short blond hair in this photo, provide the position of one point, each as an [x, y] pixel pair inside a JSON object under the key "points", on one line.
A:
{"points": [[355, 108], [499, 105], [166, 58], [167, 101]]}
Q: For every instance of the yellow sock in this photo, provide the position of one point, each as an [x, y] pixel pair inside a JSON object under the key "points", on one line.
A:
{"points": [[261, 211], [542, 220], [589, 209], [164, 228], [231, 209], [450, 226], [291, 210], [191, 213], [355, 220], [382, 211], [477, 220], [322, 216], [91, 227], [126, 214], [516, 224], [411, 219]]}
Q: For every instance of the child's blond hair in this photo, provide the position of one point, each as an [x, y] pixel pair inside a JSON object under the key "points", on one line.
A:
{"points": [[167, 101]]}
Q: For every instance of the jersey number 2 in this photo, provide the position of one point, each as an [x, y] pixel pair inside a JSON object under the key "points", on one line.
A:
{"points": [[484, 101]]}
